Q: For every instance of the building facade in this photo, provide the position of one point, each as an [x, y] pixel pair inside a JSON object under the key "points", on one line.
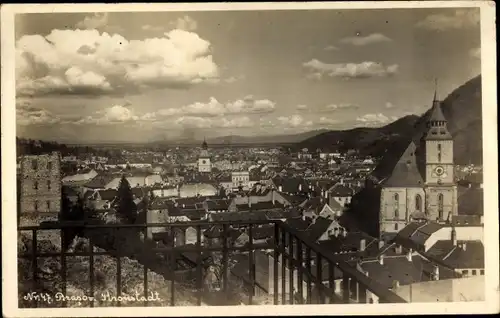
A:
{"points": [[411, 193], [40, 184]]}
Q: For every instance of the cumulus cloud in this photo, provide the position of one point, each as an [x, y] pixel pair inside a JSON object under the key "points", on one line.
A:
{"points": [[301, 107], [318, 69], [293, 121], [476, 52], [153, 28], [112, 115], [213, 108], [94, 21], [373, 119], [389, 105], [185, 23], [458, 19], [28, 115], [334, 107], [233, 79], [191, 122], [331, 48], [91, 62], [365, 40], [325, 121]]}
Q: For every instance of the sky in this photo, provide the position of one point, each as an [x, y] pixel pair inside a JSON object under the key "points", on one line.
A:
{"points": [[142, 77]]}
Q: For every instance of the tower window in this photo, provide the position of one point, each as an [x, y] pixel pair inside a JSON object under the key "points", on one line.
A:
{"points": [[395, 226], [49, 186], [35, 185], [418, 202], [440, 206], [36, 206], [49, 165], [396, 198], [439, 152], [34, 164], [48, 205], [396, 214]]}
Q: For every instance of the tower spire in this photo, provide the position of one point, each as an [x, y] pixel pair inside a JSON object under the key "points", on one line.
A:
{"points": [[435, 89]]}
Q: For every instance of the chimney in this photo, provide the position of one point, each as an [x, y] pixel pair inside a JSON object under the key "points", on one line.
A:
{"points": [[395, 284], [300, 187], [359, 183], [409, 255], [362, 245], [454, 236], [399, 249], [342, 181], [436, 272], [381, 259], [381, 244], [280, 188], [344, 232], [273, 195]]}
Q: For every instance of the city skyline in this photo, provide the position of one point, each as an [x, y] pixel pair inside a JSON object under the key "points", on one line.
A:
{"points": [[145, 76]]}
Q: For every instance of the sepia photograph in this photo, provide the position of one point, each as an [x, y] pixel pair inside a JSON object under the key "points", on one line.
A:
{"points": [[249, 155]]}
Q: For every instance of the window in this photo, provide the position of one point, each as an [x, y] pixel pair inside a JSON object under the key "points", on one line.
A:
{"points": [[439, 152], [48, 205], [49, 165], [482, 272], [34, 164], [418, 202], [474, 272], [48, 185], [35, 185], [36, 206], [396, 197], [396, 227], [396, 214], [465, 272], [440, 205]]}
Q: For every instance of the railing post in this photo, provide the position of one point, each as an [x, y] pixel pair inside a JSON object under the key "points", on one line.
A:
{"points": [[199, 273], [275, 262], [331, 282], [118, 267], [251, 264], [35, 259], [309, 274], [346, 297], [319, 278], [300, 272], [91, 266], [172, 259], [64, 269], [225, 258], [145, 273], [283, 268], [291, 267]]}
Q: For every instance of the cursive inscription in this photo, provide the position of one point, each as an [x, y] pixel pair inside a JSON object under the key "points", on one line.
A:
{"points": [[60, 297]]}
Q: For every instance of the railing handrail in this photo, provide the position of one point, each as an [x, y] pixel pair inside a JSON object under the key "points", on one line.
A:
{"points": [[372, 285]]}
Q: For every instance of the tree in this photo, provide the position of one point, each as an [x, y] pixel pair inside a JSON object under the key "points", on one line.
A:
{"points": [[126, 206]]}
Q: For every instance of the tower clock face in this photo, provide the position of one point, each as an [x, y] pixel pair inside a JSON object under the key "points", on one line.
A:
{"points": [[439, 170], [204, 162]]}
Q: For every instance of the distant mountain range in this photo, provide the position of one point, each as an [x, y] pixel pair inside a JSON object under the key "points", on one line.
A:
{"points": [[462, 109]]}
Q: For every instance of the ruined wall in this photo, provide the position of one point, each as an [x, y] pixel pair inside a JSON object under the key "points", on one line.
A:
{"points": [[40, 184]]}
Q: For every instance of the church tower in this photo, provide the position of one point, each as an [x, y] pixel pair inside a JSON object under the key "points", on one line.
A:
{"points": [[204, 164], [440, 186]]}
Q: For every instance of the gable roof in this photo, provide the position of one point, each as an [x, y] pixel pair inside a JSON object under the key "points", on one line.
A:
{"points": [[405, 173]]}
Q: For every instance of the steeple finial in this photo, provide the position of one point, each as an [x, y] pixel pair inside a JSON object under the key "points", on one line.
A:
{"points": [[435, 89]]}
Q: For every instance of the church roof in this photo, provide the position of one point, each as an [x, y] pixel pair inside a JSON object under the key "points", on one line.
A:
{"points": [[405, 172], [436, 111]]}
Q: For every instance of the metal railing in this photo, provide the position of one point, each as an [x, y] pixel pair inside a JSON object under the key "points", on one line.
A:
{"points": [[290, 254]]}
